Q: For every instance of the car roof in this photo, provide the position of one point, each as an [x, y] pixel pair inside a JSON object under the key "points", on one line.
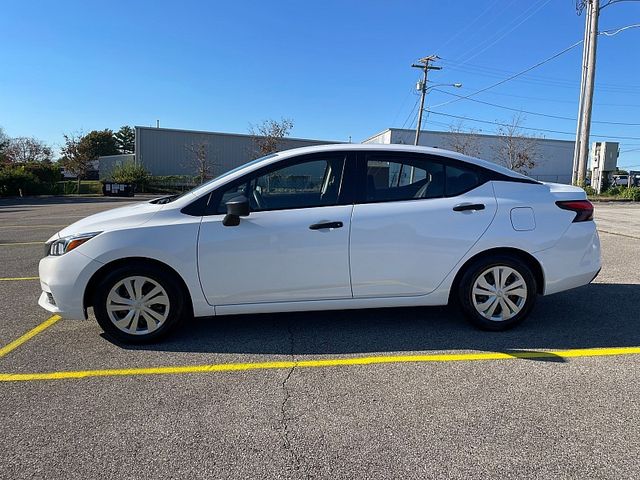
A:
{"points": [[398, 148], [342, 147]]}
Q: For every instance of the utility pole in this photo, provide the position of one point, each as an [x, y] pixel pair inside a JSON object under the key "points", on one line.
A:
{"points": [[590, 74], [424, 65], [583, 76]]}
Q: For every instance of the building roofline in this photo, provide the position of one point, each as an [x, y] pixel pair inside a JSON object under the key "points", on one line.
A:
{"points": [[243, 135], [377, 134], [480, 134]]}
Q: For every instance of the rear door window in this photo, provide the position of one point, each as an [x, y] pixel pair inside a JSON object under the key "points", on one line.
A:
{"points": [[460, 180], [396, 178]]}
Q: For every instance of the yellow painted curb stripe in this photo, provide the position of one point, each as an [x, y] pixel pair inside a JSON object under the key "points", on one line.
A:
{"points": [[30, 334], [21, 243], [10, 279], [335, 362]]}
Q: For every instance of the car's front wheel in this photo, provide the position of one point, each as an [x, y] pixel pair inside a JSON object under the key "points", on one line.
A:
{"points": [[138, 303], [498, 292]]}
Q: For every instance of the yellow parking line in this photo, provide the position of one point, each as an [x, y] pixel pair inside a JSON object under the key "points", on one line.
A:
{"points": [[30, 334], [15, 279], [21, 243], [334, 362]]}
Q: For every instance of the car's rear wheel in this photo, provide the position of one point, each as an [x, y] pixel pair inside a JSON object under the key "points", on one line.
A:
{"points": [[497, 293], [138, 304]]}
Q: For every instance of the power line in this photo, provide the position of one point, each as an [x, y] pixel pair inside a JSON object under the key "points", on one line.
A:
{"points": [[411, 90], [411, 112], [530, 128], [539, 7], [528, 112], [470, 24], [556, 55], [493, 72], [552, 100]]}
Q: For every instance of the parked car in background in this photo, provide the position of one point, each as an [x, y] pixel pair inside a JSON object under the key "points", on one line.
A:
{"points": [[323, 228], [621, 180]]}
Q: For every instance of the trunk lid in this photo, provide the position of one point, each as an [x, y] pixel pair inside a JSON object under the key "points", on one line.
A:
{"points": [[565, 192]]}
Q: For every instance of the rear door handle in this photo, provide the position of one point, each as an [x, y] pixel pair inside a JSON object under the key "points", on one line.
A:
{"points": [[321, 225], [468, 206]]}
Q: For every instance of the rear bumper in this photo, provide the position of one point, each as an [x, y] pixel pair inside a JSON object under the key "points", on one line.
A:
{"points": [[573, 261]]}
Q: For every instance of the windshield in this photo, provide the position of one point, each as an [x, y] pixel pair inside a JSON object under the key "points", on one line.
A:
{"points": [[200, 188]]}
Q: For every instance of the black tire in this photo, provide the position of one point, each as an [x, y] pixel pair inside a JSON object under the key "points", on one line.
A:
{"points": [[165, 279], [475, 270]]}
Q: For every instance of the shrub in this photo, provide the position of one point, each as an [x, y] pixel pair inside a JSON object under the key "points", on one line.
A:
{"points": [[131, 173], [47, 173], [632, 193], [614, 191], [590, 190], [170, 184], [70, 187], [16, 180]]}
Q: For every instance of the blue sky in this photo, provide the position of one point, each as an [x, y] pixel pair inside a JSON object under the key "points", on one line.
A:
{"points": [[337, 68]]}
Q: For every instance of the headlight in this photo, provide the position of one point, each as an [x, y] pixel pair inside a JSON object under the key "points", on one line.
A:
{"points": [[66, 244]]}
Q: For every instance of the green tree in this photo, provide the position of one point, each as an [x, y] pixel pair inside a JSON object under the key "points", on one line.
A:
{"points": [[4, 143], [125, 139], [98, 143]]}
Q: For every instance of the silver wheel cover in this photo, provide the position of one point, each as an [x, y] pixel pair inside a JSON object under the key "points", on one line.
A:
{"points": [[499, 293], [138, 305]]}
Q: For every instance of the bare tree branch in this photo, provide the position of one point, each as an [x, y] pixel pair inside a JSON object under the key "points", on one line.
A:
{"points": [[464, 142], [199, 160], [515, 150], [268, 135], [26, 149]]}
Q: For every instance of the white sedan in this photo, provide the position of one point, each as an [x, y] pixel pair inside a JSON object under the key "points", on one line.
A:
{"points": [[322, 228]]}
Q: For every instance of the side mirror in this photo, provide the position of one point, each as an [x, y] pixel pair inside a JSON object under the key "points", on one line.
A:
{"points": [[236, 207]]}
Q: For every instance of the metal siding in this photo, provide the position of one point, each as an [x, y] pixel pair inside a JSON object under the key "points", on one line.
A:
{"points": [[554, 157], [164, 151], [107, 163]]}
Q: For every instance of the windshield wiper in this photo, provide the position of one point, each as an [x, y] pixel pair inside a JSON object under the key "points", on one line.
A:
{"points": [[163, 200]]}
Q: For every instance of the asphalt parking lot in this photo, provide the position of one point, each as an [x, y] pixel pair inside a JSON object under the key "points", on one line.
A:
{"points": [[395, 393]]}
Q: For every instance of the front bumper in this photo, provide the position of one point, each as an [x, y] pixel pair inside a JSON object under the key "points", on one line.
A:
{"points": [[63, 281]]}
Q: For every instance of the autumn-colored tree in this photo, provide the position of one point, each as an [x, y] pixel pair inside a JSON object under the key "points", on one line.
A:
{"points": [[268, 135], [74, 157], [26, 150]]}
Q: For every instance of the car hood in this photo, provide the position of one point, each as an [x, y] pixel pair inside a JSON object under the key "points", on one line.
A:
{"points": [[129, 216]]}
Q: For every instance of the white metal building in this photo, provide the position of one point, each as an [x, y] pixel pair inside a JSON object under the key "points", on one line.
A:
{"points": [[166, 151], [554, 158]]}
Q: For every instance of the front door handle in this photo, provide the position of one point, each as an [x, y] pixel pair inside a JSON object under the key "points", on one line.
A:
{"points": [[320, 226], [468, 206]]}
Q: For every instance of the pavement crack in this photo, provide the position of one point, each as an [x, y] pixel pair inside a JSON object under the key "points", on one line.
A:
{"points": [[284, 416]]}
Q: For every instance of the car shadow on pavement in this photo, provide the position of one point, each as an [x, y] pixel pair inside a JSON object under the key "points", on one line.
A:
{"points": [[597, 315]]}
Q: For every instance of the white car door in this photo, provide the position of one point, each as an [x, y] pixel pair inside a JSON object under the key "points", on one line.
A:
{"points": [[415, 219], [294, 244]]}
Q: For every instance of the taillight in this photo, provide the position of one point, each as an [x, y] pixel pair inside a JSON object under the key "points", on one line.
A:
{"points": [[583, 209]]}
